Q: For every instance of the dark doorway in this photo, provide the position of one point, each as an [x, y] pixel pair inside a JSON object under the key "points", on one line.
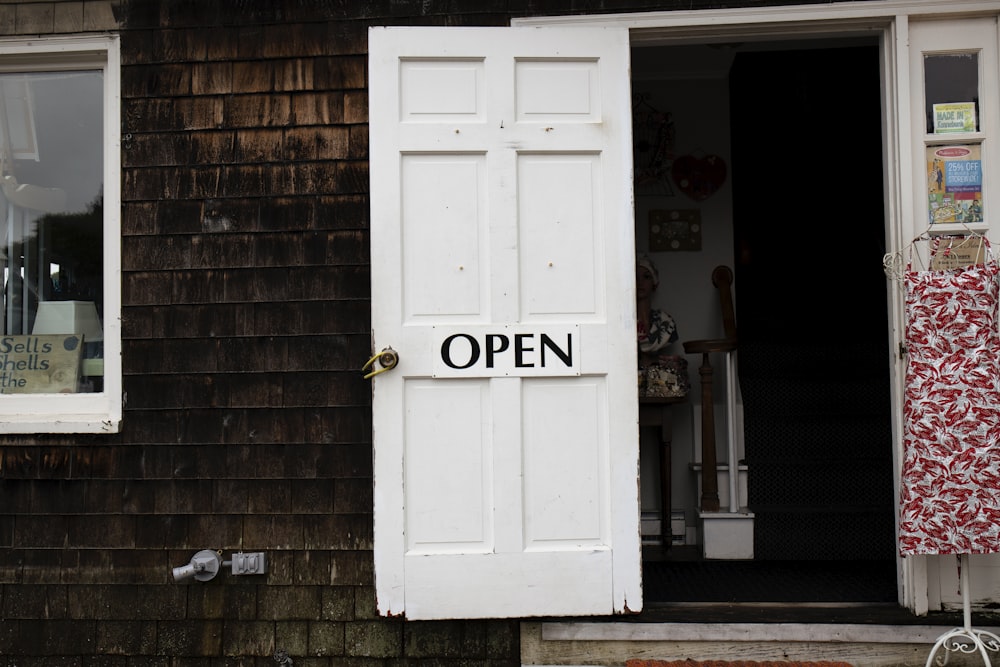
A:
{"points": [[812, 312], [809, 235]]}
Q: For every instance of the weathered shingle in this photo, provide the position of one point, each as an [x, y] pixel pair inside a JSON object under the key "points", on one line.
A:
{"points": [[246, 318]]}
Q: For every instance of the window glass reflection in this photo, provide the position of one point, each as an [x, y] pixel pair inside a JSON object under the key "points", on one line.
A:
{"points": [[952, 79], [51, 233]]}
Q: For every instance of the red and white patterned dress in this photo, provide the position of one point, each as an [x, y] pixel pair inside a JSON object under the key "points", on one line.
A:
{"points": [[950, 498]]}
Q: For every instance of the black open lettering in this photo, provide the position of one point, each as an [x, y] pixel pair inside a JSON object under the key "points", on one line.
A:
{"points": [[566, 355], [473, 351], [492, 341], [520, 348]]}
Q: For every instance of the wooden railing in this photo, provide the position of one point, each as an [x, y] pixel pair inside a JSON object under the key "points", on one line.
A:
{"points": [[722, 278]]}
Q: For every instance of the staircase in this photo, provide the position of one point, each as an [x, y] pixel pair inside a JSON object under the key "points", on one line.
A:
{"points": [[818, 449]]}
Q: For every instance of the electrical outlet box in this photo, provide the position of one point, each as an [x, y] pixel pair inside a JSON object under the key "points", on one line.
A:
{"points": [[250, 563]]}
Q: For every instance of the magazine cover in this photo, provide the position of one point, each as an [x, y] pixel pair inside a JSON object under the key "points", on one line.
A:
{"points": [[954, 184]]}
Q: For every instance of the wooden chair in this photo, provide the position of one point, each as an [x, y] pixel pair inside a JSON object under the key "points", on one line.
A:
{"points": [[722, 278]]}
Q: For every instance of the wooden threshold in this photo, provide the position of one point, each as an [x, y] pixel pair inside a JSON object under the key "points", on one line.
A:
{"points": [[875, 637]]}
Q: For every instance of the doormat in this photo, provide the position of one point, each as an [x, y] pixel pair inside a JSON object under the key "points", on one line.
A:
{"points": [[731, 663], [769, 581]]}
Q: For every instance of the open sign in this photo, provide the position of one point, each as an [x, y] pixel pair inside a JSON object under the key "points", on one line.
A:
{"points": [[506, 350]]}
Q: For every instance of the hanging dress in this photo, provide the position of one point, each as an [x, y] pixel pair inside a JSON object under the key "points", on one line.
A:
{"points": [[950, 496]]}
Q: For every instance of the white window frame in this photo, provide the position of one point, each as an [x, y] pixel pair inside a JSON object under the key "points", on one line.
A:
{"points": [[889, 21], [99, 412]]}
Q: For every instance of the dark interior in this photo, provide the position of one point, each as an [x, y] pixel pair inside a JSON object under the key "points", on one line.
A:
{"points": [[808, 195]]}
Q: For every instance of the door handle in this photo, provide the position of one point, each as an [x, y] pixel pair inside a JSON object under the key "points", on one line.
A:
{"points": [[387, 359]]}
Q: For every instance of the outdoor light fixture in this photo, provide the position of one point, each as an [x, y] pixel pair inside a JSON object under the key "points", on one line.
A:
{"points": [[205, 565]]}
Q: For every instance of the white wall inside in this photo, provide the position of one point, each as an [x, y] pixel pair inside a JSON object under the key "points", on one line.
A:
{"points": [[691, 83]]}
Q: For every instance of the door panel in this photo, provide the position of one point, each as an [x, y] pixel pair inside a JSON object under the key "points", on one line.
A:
{"points": [[560, 233], [563, 502], [444, 220], [506, 439], [446, 507]]}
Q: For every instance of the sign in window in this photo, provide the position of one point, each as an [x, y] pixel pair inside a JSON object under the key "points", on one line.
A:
{"points": [[52, 230]]}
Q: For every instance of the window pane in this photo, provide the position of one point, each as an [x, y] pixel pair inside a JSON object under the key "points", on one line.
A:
{"points": [[951, 79], [51, 234]]}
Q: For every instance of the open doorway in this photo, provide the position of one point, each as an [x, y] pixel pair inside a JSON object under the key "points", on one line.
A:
{"points": [[797, 125]]}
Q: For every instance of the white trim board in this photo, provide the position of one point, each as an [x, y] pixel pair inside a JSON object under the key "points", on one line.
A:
{"points": [[718, 18]]}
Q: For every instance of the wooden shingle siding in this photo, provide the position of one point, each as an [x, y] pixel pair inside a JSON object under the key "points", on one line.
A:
{"points": [[35, 18], [246, 318]]}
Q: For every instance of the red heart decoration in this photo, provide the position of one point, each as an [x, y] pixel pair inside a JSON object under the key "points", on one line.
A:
{"points": [[699, 178]]}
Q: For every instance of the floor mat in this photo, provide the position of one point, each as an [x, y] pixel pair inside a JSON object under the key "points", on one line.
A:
{"points": [[729, 663], [770, 581]]}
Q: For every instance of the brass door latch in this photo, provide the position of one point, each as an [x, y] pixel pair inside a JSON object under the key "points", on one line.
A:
{"points": [[387, 359]]}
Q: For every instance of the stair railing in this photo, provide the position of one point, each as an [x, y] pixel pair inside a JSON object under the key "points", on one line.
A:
{"points": [[722, 279]]}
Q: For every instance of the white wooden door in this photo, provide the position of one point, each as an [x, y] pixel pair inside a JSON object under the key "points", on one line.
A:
{"points": [[506, 439]]}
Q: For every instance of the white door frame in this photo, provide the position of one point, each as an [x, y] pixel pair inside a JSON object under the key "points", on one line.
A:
{"points": [[889, 21]]}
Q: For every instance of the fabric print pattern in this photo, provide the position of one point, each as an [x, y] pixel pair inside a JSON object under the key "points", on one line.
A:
{"points": [[950, 497], [662, 332]]}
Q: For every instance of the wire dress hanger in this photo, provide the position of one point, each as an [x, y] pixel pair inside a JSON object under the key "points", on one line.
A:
{"points": [[897, 264]]}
